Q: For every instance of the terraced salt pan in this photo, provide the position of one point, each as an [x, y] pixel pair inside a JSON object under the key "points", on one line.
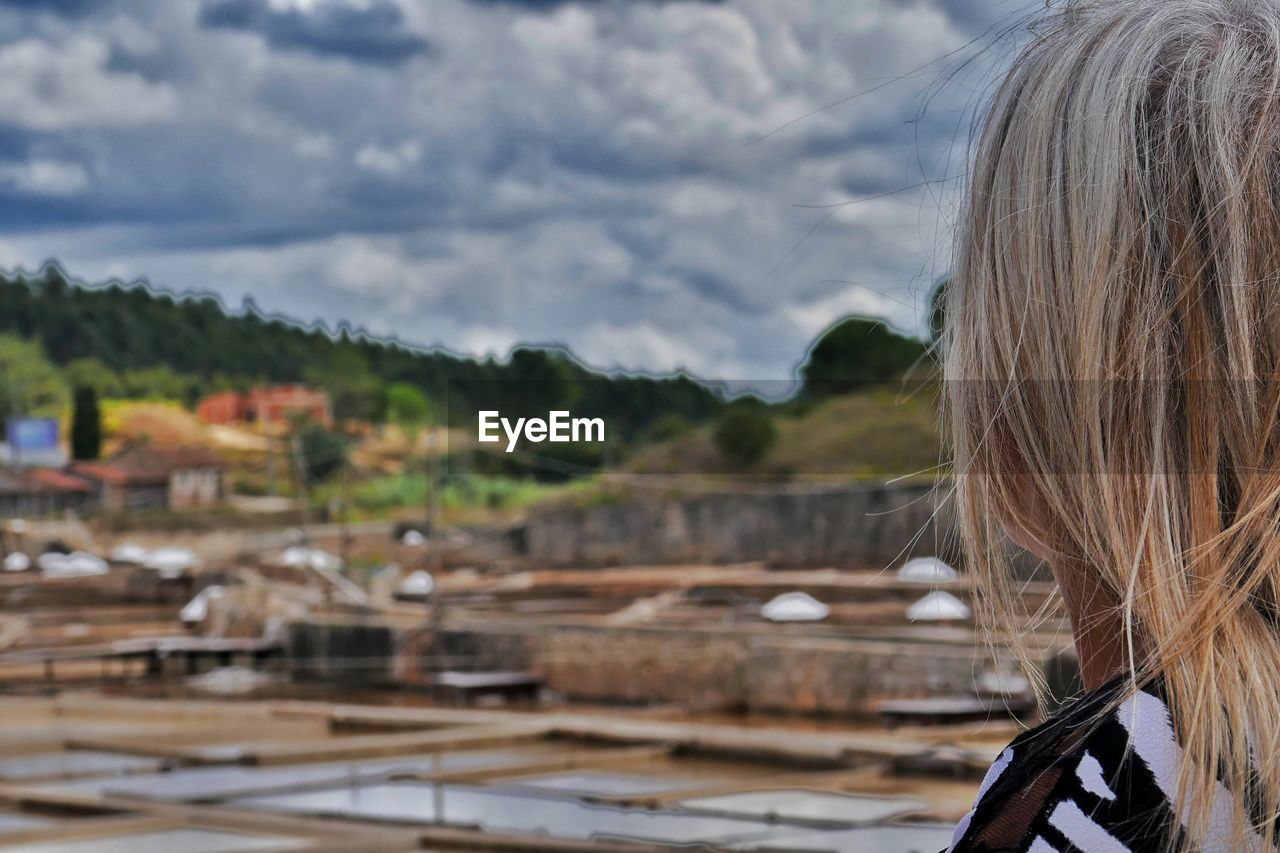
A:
{"points": [[500, 811], [216, 783], [74, 763], [164, 841], [10, 822], [558, 817], [798, 804], [904, 838], [590, 783]]}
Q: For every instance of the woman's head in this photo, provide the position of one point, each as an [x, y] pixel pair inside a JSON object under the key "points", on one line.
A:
{"points": [[1113, 348]]}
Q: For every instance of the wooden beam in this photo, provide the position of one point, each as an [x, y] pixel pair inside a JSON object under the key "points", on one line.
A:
{"points": [[833, 780], [448, 838], [366, 746], [613, 759]]}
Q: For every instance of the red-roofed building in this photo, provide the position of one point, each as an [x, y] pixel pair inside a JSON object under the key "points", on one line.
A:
{"points": [[58, 491], [272, 404], [41, 491], [124, 486], [225, 407], [143, 477], [197, 476], [266, 404], [53, 480]]}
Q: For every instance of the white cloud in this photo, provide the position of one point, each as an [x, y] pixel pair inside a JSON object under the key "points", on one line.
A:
{"points": [[45, 177], [11, 257], [641, 344], [389, 161], [496, 341], [50, 86], [811, 318], [591, 175]]}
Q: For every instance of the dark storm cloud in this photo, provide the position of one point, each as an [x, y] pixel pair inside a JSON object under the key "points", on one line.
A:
{"points": [[374, 32], [548, 5], [61, 7], [626, 177]]}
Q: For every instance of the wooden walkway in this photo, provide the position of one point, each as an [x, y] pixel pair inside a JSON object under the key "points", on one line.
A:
{"points": [[157, 653]]}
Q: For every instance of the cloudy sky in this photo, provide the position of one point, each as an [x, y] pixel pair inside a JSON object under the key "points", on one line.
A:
{"points": [[656, 185]]}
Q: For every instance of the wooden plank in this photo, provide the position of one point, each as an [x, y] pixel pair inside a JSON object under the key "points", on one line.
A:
{"points": [[448, 838], [766, 744], [82, 828], [612, 759], [96, 706], [175, 742], [418, 730], [366, 746], [951, 710], [831, 780], [329, 836], [833, 749]]}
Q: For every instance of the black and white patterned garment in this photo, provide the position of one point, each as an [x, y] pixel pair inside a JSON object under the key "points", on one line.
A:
{"points": [[1077, 783]]}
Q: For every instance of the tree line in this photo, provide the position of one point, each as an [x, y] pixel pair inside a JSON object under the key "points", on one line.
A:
{"points": [[127, 341]]}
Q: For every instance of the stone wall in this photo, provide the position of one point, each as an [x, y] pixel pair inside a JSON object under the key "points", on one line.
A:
{"points": [[698, 668], [709, 668], [845, 526], [845, 676], [761, 668]]}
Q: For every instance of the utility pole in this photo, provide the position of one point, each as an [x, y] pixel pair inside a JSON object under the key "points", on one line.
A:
{"points": [[432, 558], [301, 481], [429, 470], [433, 507], [271, 461], [344, 500], [15, 460]]}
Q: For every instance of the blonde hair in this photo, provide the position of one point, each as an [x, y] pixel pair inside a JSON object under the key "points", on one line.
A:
{"points": [[1112, 343]]}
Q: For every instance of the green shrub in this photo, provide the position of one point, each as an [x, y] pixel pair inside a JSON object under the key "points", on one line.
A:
{"points": [[745, 433]]}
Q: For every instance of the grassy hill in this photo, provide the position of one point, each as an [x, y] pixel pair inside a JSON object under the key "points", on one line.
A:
{"points": [[868, 436]]}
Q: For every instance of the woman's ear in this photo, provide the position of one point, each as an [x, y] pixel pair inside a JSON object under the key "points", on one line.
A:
{"points": [[1027, 519]]}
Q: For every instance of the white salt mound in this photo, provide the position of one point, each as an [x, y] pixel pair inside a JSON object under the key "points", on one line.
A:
{"points": [[170, 562], [939, 606], [128, 552], [197, 608], [926, 570], [795, 607], [77, 564], [418, 584]]}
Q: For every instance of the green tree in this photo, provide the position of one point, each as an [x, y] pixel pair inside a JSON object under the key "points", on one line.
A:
{"points": [[354, 389], [86, 425], [29, 384], [538, 381], [407, 406], [745, 432], [158, 383], [200, 346], [668, 427], [854, 353], [92, 373], [324, 451]]}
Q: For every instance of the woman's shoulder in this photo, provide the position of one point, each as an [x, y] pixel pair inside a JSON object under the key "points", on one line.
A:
{"points": [[1080, 781]]}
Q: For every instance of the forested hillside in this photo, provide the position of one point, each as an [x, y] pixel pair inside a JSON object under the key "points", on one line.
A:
{"points": [[132, 341]]}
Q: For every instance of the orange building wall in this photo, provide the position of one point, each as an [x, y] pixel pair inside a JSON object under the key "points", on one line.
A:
{"points": [[225, 407], [268, 404]]}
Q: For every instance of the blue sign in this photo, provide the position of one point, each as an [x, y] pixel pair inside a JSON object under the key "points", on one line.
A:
{"points": [[33, 435]]}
